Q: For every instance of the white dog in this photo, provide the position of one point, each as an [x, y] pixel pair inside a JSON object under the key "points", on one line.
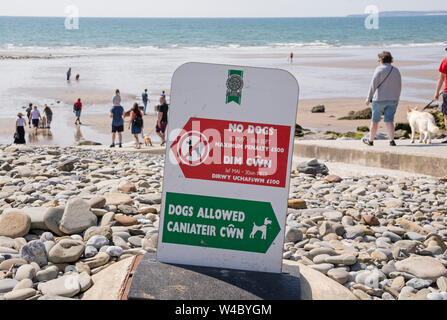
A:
{"points": [[262, 228], [422, 122]]}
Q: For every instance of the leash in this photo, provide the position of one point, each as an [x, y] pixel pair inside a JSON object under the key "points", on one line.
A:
{"points": [[150, 132], [429, 104]]}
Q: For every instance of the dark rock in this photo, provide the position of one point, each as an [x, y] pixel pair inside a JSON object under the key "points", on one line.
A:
{"points": [[364, 114], [318, 109]]}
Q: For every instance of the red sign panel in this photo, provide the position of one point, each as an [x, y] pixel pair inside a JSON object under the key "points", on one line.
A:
{"points": [[233, 151]]}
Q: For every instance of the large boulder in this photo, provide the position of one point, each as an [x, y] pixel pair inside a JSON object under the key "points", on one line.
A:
{"points": [[14, 224], [52, 219], [66, 251], [47, 274], [293, 234], [34, 251], [97, 202], [125, 220], [98, 260], [105, 231], [312, 167], [127, 187], [65, 286], [364, 114], [411, 226], [97, 241], [422, 267], [36, 214], [7, 285], [115, 199], [77, 217], [25, 271], [318, 109]]}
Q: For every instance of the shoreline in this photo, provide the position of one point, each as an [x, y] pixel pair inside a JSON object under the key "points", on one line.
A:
{"points": [[97, 127]]}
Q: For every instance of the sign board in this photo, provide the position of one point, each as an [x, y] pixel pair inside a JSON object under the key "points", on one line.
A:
{"points": [[227, 167]]}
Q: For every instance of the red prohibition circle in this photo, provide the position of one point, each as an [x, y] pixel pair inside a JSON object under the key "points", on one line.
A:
{"points": [[191, 153]]}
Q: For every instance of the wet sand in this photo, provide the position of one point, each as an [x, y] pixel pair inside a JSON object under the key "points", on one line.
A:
{"points": [[337, 78], [97, 127]]}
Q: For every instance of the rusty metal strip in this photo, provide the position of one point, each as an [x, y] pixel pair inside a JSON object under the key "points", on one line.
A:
{"points": [[128, 281]]}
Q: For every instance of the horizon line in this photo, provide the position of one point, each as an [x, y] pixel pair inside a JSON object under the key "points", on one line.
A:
{"points": [[203, 17]]}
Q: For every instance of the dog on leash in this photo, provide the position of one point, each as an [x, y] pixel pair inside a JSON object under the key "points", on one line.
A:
{"points": [[262, 228], [147, 141], [422, 122]]}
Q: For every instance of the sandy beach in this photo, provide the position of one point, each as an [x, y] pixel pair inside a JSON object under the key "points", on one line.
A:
{"points": [[97, 127], [318, 72]]}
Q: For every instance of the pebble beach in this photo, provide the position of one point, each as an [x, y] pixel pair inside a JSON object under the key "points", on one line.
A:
{"points": [[70, 213]]}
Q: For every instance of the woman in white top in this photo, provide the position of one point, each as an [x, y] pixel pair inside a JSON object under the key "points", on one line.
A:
{"points": [[19, 137]]}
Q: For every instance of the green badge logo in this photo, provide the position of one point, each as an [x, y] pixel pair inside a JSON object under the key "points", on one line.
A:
{"points": [[235, 83]]}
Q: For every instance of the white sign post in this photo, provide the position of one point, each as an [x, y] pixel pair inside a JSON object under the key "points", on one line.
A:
{"points": [[227, 169]]}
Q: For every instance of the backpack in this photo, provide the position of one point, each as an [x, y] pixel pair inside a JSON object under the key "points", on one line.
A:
{"points": [[76, 106], [138, 120]]}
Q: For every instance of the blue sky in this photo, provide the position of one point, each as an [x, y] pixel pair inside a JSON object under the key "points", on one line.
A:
{"points": [[210, 8]]}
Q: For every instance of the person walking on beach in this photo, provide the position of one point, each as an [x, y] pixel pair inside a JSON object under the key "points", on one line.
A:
{"points": [[291, 57], [77, 109], [384, 94], [19, 137], [136, 121], [162, 120], [35, 116], [145, 98], [28, 113], [68, 74], [49, 115], [117, 99], [116, 113], [442, 80]]}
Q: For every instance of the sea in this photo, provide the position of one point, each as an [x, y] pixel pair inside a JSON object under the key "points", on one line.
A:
{"points": [[134, 53], [290, 33]]}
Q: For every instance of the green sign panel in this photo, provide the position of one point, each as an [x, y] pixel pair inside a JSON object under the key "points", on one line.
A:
{"points": [[222, 223]]}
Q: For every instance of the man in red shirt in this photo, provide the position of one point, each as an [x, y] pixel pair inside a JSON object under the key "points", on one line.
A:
{"points": [[77, 107], [443, 80]]}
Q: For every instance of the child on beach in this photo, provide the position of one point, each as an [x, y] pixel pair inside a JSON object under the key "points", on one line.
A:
{"points": [[35, 116], [162, 120], [117, 99], [19, 137], [442, 80], [136, 121], [49, 115], [116, 113], [384, 94], [77, 108]]}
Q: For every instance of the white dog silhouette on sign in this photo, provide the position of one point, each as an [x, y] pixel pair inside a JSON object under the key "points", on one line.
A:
{"points": [[262, 228]]}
